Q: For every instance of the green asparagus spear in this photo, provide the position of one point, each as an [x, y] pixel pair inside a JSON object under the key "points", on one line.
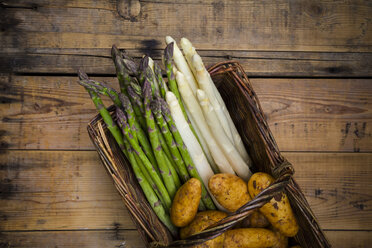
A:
{"points": [[148, 190], [160, 80], [168, 61], [206, 199], [101, 88], [112, 127], [125, 67], [146, 162], [154, 140], [171, 143]]}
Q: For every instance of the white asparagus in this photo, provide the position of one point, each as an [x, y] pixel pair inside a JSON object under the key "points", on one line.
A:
{"points": [[196, 113], [236, 136], [188, 51], [192, 144], [236, 161], [202, 141], [202, 76], [181, 64]]}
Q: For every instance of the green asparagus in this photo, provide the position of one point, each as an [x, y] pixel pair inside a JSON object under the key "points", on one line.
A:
{"points": [[154, 140], [146, 162], [171, 143], [185, 154]]}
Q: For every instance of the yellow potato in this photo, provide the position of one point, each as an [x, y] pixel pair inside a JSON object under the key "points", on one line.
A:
{"points": [[256, 219], [296, 246], [249, 238], [185, 203], [282, 241], [229, 190], [201, 221], [278, 211]]}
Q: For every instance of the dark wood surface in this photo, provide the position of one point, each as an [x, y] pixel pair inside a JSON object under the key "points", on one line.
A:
{"points": [[310, 64]]}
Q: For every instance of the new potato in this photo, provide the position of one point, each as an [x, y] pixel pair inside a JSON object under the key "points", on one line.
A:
{"points": [[249, 238], [185, 203], [201, 221], [278, 211], [282, 241], [229, 190]]}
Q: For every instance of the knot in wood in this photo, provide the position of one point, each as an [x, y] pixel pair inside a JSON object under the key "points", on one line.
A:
{"points": [[128, 9]]}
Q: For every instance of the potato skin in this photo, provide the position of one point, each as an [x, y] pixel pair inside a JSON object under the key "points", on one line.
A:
{"points": [[282, 241], [258, 220], [229, 190], [201, 221], [185, 203], [278, 211], [249, 238]]}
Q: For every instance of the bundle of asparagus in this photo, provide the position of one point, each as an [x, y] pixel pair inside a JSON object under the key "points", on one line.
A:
{"points": [[170, 131]]}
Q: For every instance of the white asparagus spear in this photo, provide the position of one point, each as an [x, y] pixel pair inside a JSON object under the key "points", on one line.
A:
{"points": [[192, 144], [203, 79], [196, 113], [236, 136], [181, 64], [236, 161], [202, 142], [188, 51]]}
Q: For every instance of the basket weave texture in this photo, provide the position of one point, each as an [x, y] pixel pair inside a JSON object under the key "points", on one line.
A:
{"points": [[247, 114]]}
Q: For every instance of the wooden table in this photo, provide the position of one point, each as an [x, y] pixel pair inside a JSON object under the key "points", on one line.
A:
{"points": [[309, 61]]}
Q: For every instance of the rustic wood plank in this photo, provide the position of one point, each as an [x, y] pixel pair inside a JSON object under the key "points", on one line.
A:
{"points": [[59, 34], [58, 190], [65, 190], [103, 238], [281, 25], [129, 238], [261, 63], [304, 114]]}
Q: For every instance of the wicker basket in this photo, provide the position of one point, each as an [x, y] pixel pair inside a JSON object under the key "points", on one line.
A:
{"points": [[249, 119]]}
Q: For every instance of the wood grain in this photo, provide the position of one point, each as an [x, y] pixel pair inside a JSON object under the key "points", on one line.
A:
{"points": [[129, 239], [326, 38], [304, 114], [65, 190], [291, 26], [260, 63]]}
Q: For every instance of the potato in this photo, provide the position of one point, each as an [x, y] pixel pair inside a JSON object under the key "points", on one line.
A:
{"points": [[278, 211], [282, 241], [201, 221], [296, 246], [229, 190], [185, 203], [256, 219], [249, 237]]}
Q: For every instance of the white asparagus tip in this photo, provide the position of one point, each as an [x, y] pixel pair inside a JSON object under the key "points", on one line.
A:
{"points": [[185, 43], [180, 76], [201, 95], [170, 97], [151, 63], [198, 63], [169, 39]]}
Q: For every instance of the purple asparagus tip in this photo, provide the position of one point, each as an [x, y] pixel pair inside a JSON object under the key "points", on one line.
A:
{"points": [[121, 117], [168, 52], [146, 89], [82, 75], [124, 101], [155, 106], [144, 63], [115, 51], [164, 106]]}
